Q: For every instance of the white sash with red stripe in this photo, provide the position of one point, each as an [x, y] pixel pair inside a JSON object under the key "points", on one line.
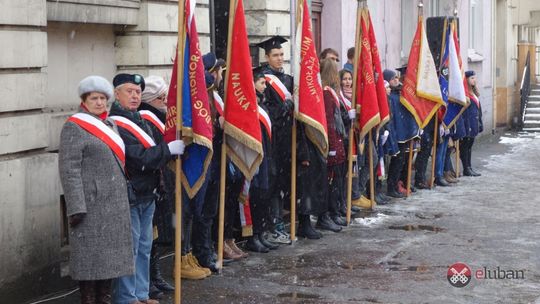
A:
{"points": [[146, 140], [264, 118], [97, 128], [245, 210], [278, 86], [218, 102], [151, 117], [346, 102]]}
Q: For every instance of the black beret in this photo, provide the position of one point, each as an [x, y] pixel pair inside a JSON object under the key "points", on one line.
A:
{"points": [[137, 79], [470, 73]]}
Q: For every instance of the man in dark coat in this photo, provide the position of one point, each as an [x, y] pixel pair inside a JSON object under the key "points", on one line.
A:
{"points": [[145, 157], [154, 101], [280, 106]]}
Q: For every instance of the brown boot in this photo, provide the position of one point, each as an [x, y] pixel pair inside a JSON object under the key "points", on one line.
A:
{"points": [[229, 253], [233, 246], [88, 292], [449, 178], [103, 292]]}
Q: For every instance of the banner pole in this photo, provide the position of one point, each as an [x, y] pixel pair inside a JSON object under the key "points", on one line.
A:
{"points": [[434, 152], [456, 146], [371, 173], [409, 167], [223, 173], [293, 135], [178, 163], [352, 137]]}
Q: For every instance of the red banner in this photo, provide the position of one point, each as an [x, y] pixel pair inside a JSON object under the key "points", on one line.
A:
{"points": [[242, 128], [382, 99], [196, 118], [366, 90], [310, 96], [421, 93]]}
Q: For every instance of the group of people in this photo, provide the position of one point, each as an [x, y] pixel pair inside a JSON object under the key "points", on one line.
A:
{"points": [[119, 190]]}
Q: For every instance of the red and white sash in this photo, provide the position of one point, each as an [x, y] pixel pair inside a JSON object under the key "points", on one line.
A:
{"points": [[474, 98], [218, 103], [278, 86], [146, 140], [151, 117], [346, 102], [264, 118], [97, 128], [336, 98]]}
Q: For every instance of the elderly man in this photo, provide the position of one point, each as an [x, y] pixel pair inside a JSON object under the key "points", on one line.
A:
{"points": [[146, 155]]}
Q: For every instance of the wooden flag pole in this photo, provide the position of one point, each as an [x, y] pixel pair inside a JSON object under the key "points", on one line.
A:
{"points": [[294, 65], [409, 167], [371, 173], [357, 50], [223, 173], [434, 151], [456, 146], [178, 163]]}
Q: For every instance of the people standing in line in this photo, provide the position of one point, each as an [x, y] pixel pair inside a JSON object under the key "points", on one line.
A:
{"points": [[145, 158], [278, 101], [472, 118], [91, 164]]}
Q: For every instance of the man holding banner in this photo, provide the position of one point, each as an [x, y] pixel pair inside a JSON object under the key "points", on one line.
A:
{"points": [[278, 101]]}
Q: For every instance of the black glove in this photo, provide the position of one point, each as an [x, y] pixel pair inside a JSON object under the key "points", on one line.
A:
{"points": [[76, 219]]}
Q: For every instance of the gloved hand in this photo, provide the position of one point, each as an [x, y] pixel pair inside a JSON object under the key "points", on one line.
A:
{"points": [[446, 132], [441, 131], [421, 132], [384, 137], [332, 153], [352, 114], [221, 121], [76, 219], [176, 147]]}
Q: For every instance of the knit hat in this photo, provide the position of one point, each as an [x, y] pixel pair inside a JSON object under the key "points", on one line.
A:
{"points": [[155, 87], [95, 84], [470, 73], [389, 74]]}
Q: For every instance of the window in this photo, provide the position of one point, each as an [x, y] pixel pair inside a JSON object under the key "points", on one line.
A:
{"points": [[316, 10], [475, 25]]}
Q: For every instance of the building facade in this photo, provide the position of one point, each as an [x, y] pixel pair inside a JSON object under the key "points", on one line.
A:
{"points": [[50, 45]]}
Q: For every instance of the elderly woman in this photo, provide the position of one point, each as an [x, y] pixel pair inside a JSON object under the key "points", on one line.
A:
{"points": [[91, 163]]}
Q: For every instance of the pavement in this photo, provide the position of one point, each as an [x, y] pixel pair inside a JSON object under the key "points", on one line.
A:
{"points": [[401, 252]]}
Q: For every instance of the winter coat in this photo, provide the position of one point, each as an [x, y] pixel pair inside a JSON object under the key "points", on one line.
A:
{"points": [[143, 164], [93, 183], [472, 118], [336, 129]]}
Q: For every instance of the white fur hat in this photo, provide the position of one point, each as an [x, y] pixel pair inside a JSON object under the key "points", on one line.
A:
{"points": [[95, 84], [155, 87]]}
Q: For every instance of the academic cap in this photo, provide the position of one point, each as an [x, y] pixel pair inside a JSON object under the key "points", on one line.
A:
{"points": [[272, 43]]}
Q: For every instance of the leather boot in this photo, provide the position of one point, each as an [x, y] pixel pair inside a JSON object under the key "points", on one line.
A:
{"points": [[439, 181], [207, 261], [234, 247], [154, 293], [325, 223], [155, 273], [254, 244], [266, 243], [229, 253], [305, 228], [195, 263], [189, 272], [422, 185], [467, 171], [474, 173], [103, 292], [88, 292], [449, 178], [339, 220]]}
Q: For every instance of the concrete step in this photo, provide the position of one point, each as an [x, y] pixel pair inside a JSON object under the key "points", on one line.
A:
{"points": [[532, 130], [530, 110], [532, 116], [531, 123], [534, 97], [535, 92], [533, 104]]}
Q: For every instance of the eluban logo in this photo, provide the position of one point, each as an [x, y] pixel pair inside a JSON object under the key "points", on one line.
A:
{"points": [[459, 274]]}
